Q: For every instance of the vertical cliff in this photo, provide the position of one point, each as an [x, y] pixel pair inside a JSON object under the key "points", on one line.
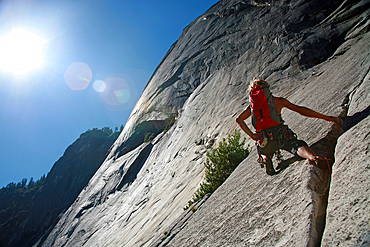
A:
{"points": [[316, 54]]}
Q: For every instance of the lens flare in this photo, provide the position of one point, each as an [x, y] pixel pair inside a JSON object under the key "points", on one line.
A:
{"points": [[99, 86], [117, 91], [123, 95], [78, 76]]}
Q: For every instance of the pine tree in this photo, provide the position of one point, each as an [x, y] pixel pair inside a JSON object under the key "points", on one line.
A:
{"points": [[220, 163]]}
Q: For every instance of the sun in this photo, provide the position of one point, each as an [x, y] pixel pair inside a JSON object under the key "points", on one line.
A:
{"points": [[21, 51]]}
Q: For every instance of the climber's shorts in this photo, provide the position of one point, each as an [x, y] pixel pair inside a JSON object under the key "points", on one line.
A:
{"points": [[281, 137], [292, 146]]}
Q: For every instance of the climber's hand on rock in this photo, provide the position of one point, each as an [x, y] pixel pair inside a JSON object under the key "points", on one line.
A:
{"points": [[336, 120]]}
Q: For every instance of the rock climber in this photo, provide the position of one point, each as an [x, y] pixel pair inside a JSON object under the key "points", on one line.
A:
{"points": [[271, 134]]}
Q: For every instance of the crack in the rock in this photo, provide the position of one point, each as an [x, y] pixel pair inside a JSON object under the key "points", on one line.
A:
{"points": [[320, 184], [352, 120], [332, 137]]}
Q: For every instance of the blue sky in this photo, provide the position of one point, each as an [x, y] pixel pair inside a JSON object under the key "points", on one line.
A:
{"points": [[114, 44]]}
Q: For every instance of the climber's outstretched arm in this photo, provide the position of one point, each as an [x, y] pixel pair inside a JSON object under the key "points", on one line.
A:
{"points": [[240, 120], [304, 111]]}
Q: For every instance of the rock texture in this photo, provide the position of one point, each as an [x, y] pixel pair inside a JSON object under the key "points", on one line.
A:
{"points": [[316, 54], [348, 209], [35, 211]]}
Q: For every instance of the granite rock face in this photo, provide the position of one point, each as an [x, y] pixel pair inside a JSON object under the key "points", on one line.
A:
{"points": [[348, 210], [317, 55]]}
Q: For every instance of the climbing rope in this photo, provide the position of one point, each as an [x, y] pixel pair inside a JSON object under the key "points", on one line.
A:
{"points": [[327, 162]]}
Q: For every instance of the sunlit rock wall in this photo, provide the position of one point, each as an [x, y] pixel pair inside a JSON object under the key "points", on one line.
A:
{"points": [[316, 54]]}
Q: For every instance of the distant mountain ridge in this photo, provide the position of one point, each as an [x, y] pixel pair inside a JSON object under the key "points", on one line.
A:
{"points": [[27, 212]]}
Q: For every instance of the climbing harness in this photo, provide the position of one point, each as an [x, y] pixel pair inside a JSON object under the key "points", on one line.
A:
{"points": [[273, 139]]}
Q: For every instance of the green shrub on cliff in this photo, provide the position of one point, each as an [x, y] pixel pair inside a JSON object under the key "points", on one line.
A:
{"points": [[149, 136], [169, 125], [220, 163]]}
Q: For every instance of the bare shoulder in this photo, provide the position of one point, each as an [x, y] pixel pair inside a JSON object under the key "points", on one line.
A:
{"points": [[280, 103]]}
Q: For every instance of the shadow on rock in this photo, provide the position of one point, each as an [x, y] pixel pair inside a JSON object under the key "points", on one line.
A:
{"points": [[324, 147], [130, 175], [351, 121], [284, 164]]}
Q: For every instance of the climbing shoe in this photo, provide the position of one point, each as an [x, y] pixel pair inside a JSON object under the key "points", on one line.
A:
{"points": [[269, 167]]}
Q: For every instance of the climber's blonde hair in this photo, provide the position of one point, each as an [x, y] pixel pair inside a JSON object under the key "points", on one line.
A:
{"points": [[256, 82]]}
